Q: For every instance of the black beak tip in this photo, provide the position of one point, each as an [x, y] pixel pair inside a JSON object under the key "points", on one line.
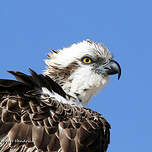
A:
{"points": [[119, 72], [119, 75]]}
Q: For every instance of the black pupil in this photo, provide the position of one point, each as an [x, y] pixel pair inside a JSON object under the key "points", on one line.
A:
{"points": [[87, 60]]}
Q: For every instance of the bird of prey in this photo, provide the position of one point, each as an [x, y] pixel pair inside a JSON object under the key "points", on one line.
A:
{"points": [[49, 112]]}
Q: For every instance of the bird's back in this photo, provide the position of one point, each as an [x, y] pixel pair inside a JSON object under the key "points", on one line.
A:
{"points": [[31, 120]]}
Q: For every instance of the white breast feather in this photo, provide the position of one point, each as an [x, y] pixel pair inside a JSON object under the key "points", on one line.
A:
{"points": [[60, 98]]}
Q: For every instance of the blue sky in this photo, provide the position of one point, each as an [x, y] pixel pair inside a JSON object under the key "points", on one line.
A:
{"points": [[28, 29]]}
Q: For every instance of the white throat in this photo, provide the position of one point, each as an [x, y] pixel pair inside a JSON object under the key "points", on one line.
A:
{"points": [[82, 85]]}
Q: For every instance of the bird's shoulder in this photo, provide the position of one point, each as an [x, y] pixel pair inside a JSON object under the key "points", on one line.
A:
{"points": [[33, 119]]}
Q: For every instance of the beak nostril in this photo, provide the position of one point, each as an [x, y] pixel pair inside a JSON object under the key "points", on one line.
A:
{"points": [[107, 68]]}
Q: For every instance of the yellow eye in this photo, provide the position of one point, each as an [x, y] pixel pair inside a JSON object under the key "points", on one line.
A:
{"points": [[87, 60]]}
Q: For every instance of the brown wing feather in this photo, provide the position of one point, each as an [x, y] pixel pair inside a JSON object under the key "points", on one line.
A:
{"points": [[29, 122]]}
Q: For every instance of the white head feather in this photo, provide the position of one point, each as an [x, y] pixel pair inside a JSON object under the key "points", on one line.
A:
{"points": [[76, 78]]}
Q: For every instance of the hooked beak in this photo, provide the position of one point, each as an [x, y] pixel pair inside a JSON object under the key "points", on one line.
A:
{"points": [[112, 68]]}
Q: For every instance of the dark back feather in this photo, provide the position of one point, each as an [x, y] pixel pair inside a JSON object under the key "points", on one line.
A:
{"points": [[45, 123], [32, 82]]}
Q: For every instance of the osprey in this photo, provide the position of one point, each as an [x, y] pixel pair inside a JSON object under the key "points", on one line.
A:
{"points": [[49, 112]]}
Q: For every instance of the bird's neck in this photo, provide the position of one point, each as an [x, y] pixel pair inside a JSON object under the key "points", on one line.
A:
{"points": [[81, 92], [76, 93], [80, 86]]}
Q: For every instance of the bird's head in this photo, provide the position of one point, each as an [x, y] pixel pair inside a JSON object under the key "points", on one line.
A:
{"points": [[82, 69]]}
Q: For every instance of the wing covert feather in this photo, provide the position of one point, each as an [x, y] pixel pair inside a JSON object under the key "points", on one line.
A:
{"points": [[31, 120]]}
